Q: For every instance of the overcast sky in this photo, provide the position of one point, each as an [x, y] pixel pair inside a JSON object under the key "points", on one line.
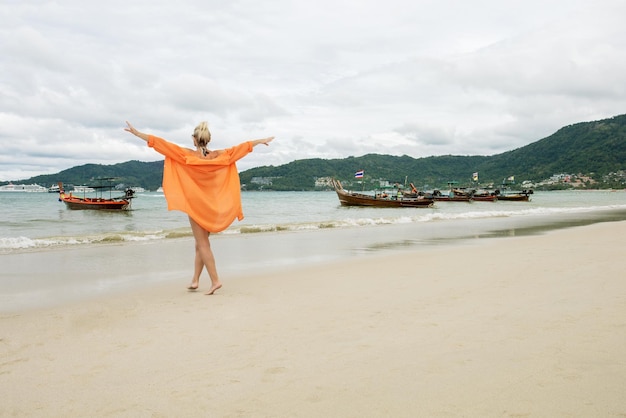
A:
{"points": [[328, 78]]}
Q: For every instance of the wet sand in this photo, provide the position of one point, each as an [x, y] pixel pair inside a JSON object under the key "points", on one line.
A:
{"points": [[518, 326]]}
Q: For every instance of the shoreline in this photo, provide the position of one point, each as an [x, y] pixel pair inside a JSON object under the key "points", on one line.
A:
{"points": [[66, 229], [526, 325], [53, 277]]}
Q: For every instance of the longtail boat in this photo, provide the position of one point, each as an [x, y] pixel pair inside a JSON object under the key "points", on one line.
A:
{"points": [[98, 202], [482, 195], [464, 195], [507, 194], [452, 196], [484, 198], [523, 196], [381, 200]]}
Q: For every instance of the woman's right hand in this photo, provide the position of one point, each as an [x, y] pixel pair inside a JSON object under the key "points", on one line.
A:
{"points": [[264, 141]]}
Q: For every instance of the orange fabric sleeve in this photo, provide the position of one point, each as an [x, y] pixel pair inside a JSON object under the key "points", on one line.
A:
{"points": [[207, 190]]}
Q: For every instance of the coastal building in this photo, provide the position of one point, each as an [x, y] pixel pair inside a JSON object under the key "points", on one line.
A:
{"points": [[324, 182], [264, 181]]}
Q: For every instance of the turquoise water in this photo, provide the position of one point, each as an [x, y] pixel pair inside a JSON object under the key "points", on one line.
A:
{"points": [[32, 221]]}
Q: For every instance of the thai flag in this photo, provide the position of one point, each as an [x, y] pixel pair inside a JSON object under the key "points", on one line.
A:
{"points": [[358, 174]]}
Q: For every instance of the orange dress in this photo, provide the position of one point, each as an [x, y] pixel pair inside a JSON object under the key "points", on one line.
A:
{"points": [[206, 190]]}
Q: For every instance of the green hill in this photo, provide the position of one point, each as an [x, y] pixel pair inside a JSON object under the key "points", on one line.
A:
{"points": [[130, 173], [594, 149], [591, 148]]}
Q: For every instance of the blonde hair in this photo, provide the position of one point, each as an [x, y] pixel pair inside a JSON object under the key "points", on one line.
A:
{"points": [[202, 134]]}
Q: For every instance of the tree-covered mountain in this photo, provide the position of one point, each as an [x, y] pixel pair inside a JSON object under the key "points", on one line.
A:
{"points": [[593, 149], [301, 174], [131, 173]]}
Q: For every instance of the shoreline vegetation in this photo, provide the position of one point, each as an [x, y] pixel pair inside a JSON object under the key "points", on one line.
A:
{"points": [[529, 325]]}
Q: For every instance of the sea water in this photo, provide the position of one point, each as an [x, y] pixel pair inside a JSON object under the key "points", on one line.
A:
{"points": [[49, 253], [31, 221]]}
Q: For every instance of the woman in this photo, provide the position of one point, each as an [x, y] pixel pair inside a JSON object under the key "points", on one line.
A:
{"points": [[205, 185]]}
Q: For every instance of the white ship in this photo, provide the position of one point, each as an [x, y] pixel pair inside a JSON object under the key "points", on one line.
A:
{"points": [[28, 188]]}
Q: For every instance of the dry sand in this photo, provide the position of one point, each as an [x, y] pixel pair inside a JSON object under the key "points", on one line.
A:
{"points": [[506, 327]]}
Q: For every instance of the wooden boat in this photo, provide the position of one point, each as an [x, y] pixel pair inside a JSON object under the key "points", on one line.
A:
{"points": [[523, 196], [484, 198], [482, 195], [452, 196], [347, 198], [464, 195], [98, 202]]}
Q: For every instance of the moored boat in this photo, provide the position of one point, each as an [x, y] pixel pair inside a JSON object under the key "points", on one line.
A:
{"points": [[98, 202], [506, 193], [464, 195], [455, 195], [522, 196], [484, 198], [482, 195], [73, 202], [348, 198]]}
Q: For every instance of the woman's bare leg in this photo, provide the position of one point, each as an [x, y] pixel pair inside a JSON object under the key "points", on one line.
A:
{"points": [[198, 265], [203, 249]]}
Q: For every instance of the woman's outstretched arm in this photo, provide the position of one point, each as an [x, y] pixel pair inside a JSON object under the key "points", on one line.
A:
{"points": [[264, 141], [135, 132]]}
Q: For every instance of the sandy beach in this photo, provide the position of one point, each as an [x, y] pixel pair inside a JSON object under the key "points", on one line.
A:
{"points": [[503, 327]]}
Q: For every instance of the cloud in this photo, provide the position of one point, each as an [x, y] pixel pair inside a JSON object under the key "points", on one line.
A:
{"points": [[328, 79]]}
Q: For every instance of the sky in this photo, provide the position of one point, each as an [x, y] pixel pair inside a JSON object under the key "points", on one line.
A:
{"points": [[329, 78]]}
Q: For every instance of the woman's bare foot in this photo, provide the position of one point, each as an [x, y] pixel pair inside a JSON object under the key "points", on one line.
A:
{"points": [[213, 288], [193, 285]]}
